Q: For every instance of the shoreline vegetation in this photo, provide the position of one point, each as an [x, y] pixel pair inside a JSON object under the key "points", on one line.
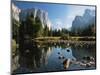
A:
{"points": [[72, 40]]}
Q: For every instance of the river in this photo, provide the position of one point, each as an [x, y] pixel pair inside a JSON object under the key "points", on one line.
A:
{"points": [[35, 58]]}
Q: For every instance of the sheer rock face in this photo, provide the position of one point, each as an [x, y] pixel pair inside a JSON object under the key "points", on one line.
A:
{"points": [[15, 12], [41, 14], [81, 22], [20, 15]]}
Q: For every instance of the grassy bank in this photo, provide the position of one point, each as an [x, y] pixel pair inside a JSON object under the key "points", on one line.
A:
{"points": [[71, 38]]}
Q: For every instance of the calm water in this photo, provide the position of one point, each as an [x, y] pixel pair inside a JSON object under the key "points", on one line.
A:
{"points": [[55, 57]]}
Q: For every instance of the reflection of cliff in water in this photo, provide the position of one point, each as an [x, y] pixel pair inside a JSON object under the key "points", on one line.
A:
{"points": [[31, 56], [82, 51]]}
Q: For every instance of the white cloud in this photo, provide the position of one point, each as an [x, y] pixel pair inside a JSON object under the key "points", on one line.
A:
{"points": [[57, 23]]}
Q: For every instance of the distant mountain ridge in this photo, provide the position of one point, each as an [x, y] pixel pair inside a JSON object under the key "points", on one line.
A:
{"points": [[81, 22]]}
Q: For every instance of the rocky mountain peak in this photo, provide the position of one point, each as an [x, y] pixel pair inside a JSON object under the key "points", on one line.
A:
{"points": [[81, 22]]}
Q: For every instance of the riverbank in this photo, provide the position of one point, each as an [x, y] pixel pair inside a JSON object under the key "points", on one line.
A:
{"points": [[71, 40]]}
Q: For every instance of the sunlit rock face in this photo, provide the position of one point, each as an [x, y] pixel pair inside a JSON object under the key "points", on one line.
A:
{"points": [[43, 15], [15, 12], [81, 22]]}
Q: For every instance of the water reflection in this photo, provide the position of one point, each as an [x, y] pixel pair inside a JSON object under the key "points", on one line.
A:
{"points": [[33, 57]]}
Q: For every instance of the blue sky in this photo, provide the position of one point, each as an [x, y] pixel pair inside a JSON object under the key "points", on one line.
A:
{"points": [[60, 15]]}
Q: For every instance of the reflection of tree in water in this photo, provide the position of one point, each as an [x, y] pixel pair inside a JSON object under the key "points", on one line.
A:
{"points": [[29, 56], [32, 56]]}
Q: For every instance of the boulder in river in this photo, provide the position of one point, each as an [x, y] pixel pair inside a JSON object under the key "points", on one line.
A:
{"points": [[66, 63]]}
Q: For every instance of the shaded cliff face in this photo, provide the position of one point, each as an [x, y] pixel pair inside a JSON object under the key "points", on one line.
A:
{"points": [[81, 22], [43, 16]]}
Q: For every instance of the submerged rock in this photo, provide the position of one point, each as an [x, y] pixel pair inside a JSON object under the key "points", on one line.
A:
{"points": [[87, 61], [61, 57], [88, 58], [88, 65], [68, 50], [58, 52]]}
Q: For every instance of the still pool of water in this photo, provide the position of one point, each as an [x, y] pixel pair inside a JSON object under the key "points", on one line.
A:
{"points": [[49, 58]]}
